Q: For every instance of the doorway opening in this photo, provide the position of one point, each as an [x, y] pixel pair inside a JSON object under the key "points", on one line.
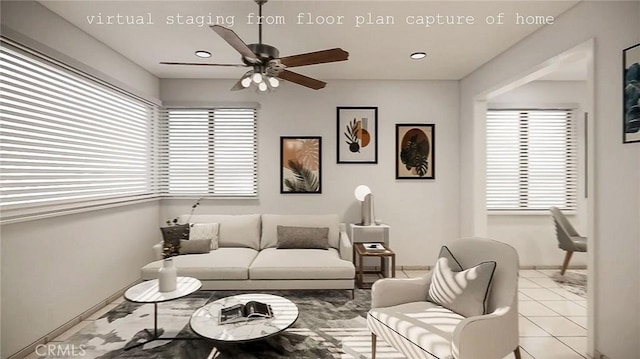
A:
{"points": [[563, 84]]}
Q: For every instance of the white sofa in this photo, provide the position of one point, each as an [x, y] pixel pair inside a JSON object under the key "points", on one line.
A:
{"points": [[247, 257]]}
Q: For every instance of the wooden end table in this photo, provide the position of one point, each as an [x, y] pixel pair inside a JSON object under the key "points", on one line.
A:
{"points": [[360, 251]]}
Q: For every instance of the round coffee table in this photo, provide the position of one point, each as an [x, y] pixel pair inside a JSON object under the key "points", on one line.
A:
{"points": [[148, 292], [204, 321]]}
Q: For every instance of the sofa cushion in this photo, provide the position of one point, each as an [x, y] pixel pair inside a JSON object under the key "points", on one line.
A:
{"points": [[205, 231], [425, 326], [270, 223], [221, 264], [234, 230], [273, 263], [464, 292], [303, 237]]}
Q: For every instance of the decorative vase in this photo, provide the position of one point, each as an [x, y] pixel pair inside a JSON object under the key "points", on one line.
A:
{"points": [[167, 276]]}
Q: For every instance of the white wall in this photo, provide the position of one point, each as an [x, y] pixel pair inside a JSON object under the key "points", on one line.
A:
{"points": [[616, 235], [638, 242], [54, 269], [55, 36], [534, 235], [422, 213]]}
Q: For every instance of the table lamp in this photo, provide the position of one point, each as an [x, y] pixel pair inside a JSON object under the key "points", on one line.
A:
{"points": [[364, 195]]}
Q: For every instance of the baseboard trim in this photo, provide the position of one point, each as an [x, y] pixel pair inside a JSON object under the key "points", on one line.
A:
{"points": [[599, 355], [398, 268], [415, 267], [24, 352], [549, 267], [531, 267]]}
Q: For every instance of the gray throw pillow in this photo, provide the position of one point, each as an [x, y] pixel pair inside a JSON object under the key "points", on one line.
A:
{"points": [[303, 237], [195, 246], [465, 292]]}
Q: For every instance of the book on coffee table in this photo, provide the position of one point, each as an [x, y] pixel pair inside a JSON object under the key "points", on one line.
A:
{"points": [[374, 247], [244, 312]]}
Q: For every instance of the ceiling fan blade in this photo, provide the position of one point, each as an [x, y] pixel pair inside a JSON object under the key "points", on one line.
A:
{"points": [[201, 64], [302, 80], [236, 42], [318, 57], [238, 86]]}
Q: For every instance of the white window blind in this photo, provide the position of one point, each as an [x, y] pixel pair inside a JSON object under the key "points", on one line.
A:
{"points": [[531, 160], [66, 139], [209, 152]]}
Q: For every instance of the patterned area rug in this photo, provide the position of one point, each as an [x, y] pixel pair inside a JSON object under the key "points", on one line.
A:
{"points": [[330, 325], [575, 283]]}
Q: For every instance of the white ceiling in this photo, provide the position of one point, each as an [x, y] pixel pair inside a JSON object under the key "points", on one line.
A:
{"points": [[376, 51]]}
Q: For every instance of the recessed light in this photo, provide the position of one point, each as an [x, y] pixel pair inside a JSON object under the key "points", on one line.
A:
{"points": [[418, 55], [203, 54]]}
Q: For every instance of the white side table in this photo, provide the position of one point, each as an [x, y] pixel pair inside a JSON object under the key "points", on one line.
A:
{"points": [[372, 233], [147, 292]]}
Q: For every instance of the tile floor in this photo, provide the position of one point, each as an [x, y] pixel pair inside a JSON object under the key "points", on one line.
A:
{"points": [[553, 321]]}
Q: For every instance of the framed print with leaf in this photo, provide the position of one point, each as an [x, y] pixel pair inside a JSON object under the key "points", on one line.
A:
{"points": [[415, 151], [357, 135], [631, 94], [301, 164]]}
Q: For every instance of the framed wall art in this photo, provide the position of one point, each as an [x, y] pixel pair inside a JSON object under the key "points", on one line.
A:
{"points": [[415, 151], [357, 136], [301, 164], [631, 94]]}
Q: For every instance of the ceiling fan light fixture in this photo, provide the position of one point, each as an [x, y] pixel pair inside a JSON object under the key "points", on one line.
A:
{"points": [[246, 82], [274, 82], [267, 68], [257, 77], [203, 54], [418, 55]]}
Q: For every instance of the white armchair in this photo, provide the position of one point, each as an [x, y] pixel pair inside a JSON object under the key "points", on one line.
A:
{"points": [[402, 317]]}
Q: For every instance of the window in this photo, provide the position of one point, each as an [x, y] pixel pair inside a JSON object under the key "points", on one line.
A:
{"points": [[68, 140], [531, 160], [208, 152]]}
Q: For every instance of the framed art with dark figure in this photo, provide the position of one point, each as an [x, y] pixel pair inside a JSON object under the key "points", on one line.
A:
{"points": [[357, 134], [300, 164], [415, 151], [631, 94]]}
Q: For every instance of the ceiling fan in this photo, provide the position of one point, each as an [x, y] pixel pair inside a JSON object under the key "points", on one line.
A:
{"points": [[267, 66]]}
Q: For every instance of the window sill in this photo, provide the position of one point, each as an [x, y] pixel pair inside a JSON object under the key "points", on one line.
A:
{"points": [[528, 213], [24, 216], [205, 197]]}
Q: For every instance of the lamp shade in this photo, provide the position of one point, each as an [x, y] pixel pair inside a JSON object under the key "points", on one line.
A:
{"points": [[361, 192]]}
